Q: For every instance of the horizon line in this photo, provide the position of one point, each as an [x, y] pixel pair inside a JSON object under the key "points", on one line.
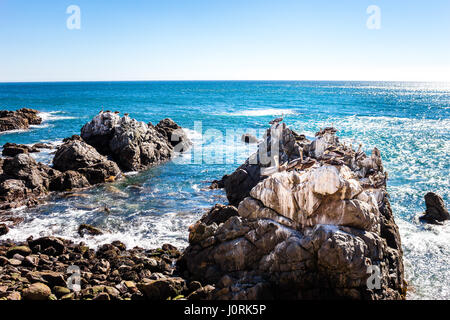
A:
{"points": [[220, 80]]}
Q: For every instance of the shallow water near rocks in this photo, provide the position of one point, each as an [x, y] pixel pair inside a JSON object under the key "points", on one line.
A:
{"points": [[408, 122]]}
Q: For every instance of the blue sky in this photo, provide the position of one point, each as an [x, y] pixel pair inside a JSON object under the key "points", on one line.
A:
{"points": [[229, 40]]}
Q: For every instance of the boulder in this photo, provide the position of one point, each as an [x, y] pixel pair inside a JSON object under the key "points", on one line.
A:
{"points": [[44, 243], [314, 224], [3, 229], [69, 180], [163, 288], [37, 291], [76, 155], [436, 212]]}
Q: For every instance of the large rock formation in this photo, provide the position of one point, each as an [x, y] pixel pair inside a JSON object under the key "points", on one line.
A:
{"points": [[314, 221], [132, 144], [20, 119]]}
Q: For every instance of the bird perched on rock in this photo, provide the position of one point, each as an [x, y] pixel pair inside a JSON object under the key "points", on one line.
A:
{"points": [[277, 120]]}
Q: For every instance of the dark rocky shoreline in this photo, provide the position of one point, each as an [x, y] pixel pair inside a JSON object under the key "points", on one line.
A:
{"points": [[308, 224], [38, 270]]}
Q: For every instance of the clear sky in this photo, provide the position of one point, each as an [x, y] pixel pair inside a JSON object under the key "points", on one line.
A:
{"points": [[224, 40]]}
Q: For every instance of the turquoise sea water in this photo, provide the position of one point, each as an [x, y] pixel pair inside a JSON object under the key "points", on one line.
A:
{"points": [[408, 122]]}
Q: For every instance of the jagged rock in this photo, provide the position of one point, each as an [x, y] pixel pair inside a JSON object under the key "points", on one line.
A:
{"points": [[132, 144], [79, 156], [219, 214], [288, 147], [174, 134], [100, 130], [310, 226], [436, 212], [20, 119]]}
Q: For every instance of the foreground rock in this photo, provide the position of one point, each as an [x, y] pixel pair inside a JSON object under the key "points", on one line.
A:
{"points": [[132, 144], [41, 270], [12, 149], [436, 211], [313, 222], [20, 119]]}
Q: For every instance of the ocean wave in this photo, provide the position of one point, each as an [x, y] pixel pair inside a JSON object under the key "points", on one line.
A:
{"points": [[260, 112], [54, 116]]}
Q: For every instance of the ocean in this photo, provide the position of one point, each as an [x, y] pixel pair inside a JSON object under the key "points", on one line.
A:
{"points": [[408, 121]]}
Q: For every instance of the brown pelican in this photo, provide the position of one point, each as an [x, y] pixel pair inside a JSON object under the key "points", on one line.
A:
{"points": [[277, 120]]}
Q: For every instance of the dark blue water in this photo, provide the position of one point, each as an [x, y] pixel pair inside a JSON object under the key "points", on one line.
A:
{"points": [[408, 122]]}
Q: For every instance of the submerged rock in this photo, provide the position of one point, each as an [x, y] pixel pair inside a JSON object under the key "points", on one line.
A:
{"points": [[88, 229], [313, 223], [436, 211], [20, 119]]}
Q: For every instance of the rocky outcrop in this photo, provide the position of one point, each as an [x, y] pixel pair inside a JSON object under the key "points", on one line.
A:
{"points": [[436, 212], [278, 146], [313, 222], [107, 143], [20, 119], [40, 269], [132, 144]]}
